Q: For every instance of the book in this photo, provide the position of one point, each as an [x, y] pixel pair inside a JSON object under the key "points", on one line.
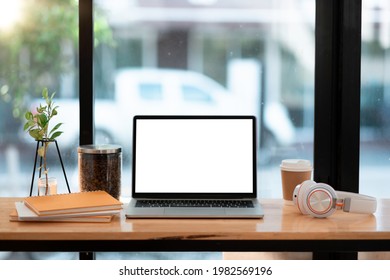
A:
{"points": [[80, 202], [23, 213], [14, 217]]}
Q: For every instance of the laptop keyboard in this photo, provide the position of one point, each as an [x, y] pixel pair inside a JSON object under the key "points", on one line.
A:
{"points": [[195, 203]]}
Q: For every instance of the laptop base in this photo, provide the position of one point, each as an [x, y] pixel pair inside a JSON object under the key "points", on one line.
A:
{"points": [[194, 212]]}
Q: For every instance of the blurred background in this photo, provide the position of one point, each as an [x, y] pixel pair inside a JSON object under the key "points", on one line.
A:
{"points": [[183, 57]]}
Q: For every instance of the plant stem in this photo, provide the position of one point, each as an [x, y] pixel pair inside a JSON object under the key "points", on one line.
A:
{"points": [[45, 167]]}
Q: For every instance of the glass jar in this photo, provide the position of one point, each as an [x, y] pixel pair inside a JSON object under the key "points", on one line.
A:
{"points": [[100, 168]]}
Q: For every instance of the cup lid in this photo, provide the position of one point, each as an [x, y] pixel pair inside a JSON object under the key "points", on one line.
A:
{"points": [[296, 165]]}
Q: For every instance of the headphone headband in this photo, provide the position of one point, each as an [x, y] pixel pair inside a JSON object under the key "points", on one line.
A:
{"points": [[357, 203]]}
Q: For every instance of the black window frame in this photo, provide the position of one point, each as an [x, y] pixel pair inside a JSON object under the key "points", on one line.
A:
{"points": [[337, 93], [337, 99], [86, 94]]}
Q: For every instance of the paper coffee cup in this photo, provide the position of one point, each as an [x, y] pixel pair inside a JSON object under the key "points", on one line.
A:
{"points": [[293, 173]]}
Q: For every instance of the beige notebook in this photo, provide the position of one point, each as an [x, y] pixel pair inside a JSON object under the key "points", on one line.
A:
{"points": [[25, 214], [72, 203]]}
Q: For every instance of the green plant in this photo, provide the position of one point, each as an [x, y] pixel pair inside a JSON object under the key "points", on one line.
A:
{"points": [[37, 125]]}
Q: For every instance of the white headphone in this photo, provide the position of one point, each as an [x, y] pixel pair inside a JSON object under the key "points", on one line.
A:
{"points": [[321, 200]]}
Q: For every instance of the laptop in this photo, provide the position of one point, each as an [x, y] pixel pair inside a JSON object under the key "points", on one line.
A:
{"points": [[194, 167]]}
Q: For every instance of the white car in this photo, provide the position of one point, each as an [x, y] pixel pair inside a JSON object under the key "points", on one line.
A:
{"points": [[164, 91], [181, 92]]}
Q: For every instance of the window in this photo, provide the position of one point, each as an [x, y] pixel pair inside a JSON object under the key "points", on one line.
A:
{"points": [[375, 104], [38, 48], [249, 51], [375, 99], [150, 91], [194, 94], [222, 57]]}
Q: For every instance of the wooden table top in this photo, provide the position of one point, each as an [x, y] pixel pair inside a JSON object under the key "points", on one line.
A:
{"points": [[280, 222]]}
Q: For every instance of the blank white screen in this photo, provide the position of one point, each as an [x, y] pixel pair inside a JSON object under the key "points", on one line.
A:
{"points": [[194, 156]]}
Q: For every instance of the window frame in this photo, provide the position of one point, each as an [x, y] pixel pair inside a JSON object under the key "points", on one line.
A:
{"points": [[337, 99], [337, 93], [86, 50]]}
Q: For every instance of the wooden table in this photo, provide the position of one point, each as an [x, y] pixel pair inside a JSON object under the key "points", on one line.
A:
{"points": [[283, 229]]}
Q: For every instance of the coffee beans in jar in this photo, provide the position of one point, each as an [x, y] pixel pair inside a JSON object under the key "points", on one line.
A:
{"points": [[100, 168]]}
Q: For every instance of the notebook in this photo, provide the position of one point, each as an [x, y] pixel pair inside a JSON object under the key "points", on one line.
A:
{"points": [[23, 213], [72, 203], [194, 167]]}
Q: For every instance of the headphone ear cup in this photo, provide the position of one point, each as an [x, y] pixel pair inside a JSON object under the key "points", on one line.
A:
{"points": [[300, 194], [319, 200]]}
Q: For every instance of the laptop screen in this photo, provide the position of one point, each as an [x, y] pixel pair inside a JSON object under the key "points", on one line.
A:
{"points": [[180, 156]]}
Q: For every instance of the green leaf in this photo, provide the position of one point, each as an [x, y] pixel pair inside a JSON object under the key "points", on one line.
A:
{"points": [[55, 135], [39, 119], [28, 116], [54, 112], [45, 94], [42, 120], [55, 128], [35, 133], [28, 125], [41, 109]]}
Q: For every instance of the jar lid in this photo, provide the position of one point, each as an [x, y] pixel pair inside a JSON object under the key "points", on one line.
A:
{"points": [[99, 149]]}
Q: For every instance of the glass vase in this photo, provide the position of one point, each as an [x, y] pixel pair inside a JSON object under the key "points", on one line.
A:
{"points": [[42, 187]]}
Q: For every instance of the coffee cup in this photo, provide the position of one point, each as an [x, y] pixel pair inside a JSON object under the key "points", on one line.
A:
{"points": [[293, 173]]}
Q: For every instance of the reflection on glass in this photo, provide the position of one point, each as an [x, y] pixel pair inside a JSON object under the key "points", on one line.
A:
{"points": [[375, 99], [210, 57]]}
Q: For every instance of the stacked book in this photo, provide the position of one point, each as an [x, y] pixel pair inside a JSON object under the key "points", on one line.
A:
{"points": [[95, 206]]}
